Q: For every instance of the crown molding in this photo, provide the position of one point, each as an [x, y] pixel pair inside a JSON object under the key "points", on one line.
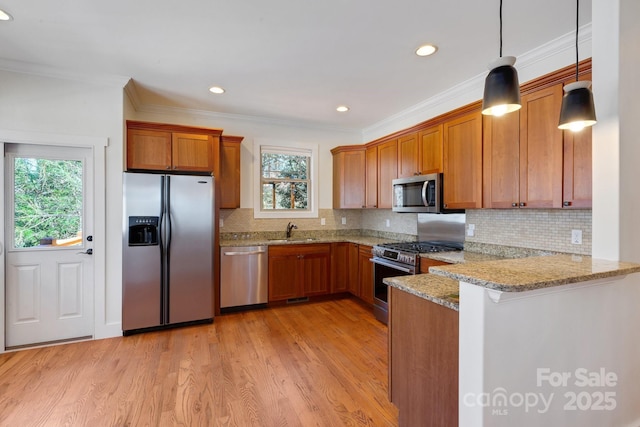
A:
{"points": [[56, 73], [471, 90]]}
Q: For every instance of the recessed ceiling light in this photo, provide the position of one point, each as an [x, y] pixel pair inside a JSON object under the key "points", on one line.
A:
{"points": [[342, 108], [4, 16], [426, 50], [216, 89]]}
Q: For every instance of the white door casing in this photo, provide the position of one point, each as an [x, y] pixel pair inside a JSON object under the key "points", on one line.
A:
{"points": [[49, 289]]}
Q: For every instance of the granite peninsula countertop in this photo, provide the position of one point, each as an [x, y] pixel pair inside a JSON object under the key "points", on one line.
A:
{"points": [[441, 290], [460, 257], [537, 272]]}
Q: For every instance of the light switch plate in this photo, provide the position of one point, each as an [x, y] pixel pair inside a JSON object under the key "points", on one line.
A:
{"points": [[323, 221], [344, 220]]}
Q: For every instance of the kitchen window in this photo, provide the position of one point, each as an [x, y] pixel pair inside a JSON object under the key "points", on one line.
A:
{"points": [[285, 185]]}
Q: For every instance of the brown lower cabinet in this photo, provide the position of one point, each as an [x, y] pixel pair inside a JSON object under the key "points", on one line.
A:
{"points": [[297, 271], [360, 272], [423, 361]]}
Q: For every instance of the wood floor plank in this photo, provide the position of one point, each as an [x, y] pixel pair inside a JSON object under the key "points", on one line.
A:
{"points": [[316, 364]]}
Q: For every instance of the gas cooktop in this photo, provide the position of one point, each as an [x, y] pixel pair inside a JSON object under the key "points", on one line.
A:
{"points": [[423, 247]]}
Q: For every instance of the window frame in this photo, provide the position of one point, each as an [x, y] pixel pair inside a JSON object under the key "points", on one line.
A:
{"points": [[286, 147]]}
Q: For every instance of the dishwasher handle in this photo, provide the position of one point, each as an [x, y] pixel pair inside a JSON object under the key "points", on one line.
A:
{"points": [[244, 253]]}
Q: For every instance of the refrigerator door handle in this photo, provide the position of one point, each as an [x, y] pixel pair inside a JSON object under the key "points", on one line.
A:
{"points": [[168, 209]]}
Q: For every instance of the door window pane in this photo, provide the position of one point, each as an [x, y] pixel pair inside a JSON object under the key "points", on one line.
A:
{"points": [[47, 202]]}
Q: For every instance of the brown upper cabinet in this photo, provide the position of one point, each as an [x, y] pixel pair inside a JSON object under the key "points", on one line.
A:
{"points": [[162, 147], [348, 177], [577, 169], [462, 161], [230, 147], [371, 177], [430, 142], [408, 157], [420, 152], [387, 172], [501, 157], [541, 149]]}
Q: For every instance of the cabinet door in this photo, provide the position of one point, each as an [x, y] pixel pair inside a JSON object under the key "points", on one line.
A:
{"points": [[387, 172], [148, 149], [423, 360], [192, 152], [430, 150], [316, 268], [354, 275], [349, 179], [501, 157], [366, 273], [541, 149], [408, 156], [339, 267], [371, 177], [577, 170], [462, 159], [229, 174], [284, 274]]}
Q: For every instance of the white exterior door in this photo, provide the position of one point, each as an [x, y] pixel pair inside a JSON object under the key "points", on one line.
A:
{"points": [[48, 238]]}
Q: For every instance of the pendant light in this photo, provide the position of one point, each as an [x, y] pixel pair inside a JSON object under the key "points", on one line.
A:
{"points": [[501, 87], [578, 110]]}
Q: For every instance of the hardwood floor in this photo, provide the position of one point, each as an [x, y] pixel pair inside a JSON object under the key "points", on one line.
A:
{"points": [[320, 364]]}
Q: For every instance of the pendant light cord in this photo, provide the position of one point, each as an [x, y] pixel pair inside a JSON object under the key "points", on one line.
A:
{"points": [[500, 28], [577, 26]]}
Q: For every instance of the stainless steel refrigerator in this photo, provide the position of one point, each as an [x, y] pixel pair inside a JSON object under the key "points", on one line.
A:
{"points": [[168, 261]]}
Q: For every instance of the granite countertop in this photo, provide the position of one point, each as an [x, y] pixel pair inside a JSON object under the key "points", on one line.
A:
{"points": [[525, 274], [441, 290], [361, 240]]}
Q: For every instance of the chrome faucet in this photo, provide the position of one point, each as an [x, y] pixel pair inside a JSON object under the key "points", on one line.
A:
{"points": [[290, 228]]}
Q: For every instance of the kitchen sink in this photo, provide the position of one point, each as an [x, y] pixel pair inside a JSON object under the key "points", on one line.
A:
{"points": [[291, 240]]}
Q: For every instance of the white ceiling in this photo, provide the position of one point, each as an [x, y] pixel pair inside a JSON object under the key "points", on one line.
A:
{"points": [[293, 60]]}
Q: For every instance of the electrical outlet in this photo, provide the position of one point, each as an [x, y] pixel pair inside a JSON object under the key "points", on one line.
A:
{"points": [[344, 220], [576, 237], [323, 221], [388, 222], [471, 230]]}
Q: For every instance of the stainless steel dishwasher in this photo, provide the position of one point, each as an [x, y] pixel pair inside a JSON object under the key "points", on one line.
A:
{"points": [[243, 276]]}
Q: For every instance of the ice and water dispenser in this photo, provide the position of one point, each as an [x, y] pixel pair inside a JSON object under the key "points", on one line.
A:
{"points": [[143, 230]]}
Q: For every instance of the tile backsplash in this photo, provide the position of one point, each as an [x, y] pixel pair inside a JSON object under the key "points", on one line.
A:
{"points": [[541, 229], [544, 229]]}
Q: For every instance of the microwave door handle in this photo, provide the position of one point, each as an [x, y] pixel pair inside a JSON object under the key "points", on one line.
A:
{"points": [[425, 201]]}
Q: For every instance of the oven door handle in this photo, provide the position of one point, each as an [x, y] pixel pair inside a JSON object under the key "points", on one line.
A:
{"points": [[390, 265]]}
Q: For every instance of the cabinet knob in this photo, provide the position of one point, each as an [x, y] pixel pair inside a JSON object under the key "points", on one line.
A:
{"points": [[168, 167], [566, 203], [522, 204], [514, 205]]}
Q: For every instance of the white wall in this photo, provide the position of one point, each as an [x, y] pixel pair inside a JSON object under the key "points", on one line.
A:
{"points": [[52, 110]]}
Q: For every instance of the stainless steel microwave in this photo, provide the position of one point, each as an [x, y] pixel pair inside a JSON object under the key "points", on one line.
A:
{"points": [[419, 194]]}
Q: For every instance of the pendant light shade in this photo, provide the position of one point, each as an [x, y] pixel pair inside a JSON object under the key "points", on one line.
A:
{"points": [[501, 88], [578, 110]]}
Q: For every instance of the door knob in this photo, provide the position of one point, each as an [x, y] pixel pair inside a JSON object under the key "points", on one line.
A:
{"points": [[87, 252]]}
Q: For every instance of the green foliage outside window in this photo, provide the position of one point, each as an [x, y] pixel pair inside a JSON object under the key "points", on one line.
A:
{"points": [[48, 200], [285, 181]]}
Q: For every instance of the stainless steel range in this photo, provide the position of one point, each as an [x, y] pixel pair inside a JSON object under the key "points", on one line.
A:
{"points": [[436, 233]]}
